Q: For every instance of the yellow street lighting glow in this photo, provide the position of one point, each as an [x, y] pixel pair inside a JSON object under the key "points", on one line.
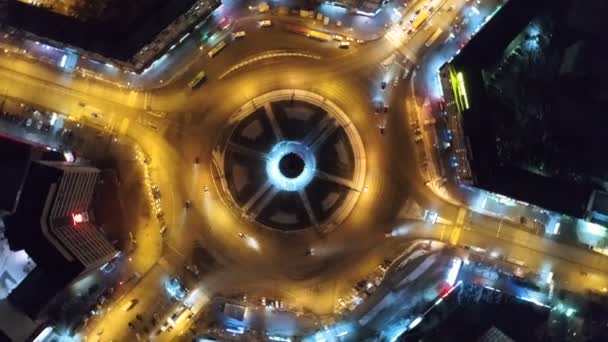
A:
{"points": [[462, 89]]}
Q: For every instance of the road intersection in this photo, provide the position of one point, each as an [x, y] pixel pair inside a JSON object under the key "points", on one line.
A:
{"points": [[175, 125]]}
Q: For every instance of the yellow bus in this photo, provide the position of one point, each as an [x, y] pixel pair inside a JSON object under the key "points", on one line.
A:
{"points": [[433, 37], [324, 37], [197, 80], [216, 49], [420, 20]]}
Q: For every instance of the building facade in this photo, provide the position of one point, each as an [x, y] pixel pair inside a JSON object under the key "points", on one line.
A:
{"points": [[53, 225]]}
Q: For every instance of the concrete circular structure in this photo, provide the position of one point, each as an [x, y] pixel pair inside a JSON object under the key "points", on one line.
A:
{"points": [[290, 165], [290, 160]]}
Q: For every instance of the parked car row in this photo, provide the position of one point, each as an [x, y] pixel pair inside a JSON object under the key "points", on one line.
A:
{"points": [[416, 130], [277, 304], [363, 288]]}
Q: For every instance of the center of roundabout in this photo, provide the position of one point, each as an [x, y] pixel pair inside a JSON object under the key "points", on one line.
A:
{"points": [[291, 160], [290, 165]]}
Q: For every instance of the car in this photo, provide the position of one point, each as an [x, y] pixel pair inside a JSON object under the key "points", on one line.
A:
{"points": [[263, 301], [139, 317], [418, 139], [193, 268], [417, 130], [188, 204], [155, 191], [350, 39], [241, 235], [273, 303], [166, 326], [197, 160], [395, 81], [344, 45], [337, 37], [265, 23], [163, 229], [383, 85], [130, 304], [310, 251], [239, 34], [131, 326]]}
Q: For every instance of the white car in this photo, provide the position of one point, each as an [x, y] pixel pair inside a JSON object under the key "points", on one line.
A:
{"points": [[239, 34], [395, 81], [344, 45], [337, 37], [265, 23]]}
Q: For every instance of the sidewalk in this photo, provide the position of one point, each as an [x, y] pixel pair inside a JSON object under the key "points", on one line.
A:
{"points": [[430, 172]]}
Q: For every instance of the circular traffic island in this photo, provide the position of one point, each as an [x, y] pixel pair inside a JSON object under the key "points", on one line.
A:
{"points": [[291, 165], [290, 160]]}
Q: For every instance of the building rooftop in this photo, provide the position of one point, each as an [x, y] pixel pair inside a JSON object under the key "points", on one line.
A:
{"points": [[51, 224], [517, 85], [16, 158], [123, 33]]}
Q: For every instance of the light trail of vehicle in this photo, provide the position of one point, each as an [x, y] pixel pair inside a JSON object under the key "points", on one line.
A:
{"points": [[268, 55]]}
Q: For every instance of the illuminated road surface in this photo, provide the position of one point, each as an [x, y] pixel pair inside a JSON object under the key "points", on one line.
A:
{"points": [[350, 78]]}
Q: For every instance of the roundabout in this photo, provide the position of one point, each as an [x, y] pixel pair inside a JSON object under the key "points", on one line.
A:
{"points": [[291, 161], [290, 187]]}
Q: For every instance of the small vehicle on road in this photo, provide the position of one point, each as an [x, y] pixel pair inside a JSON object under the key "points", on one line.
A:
{"points": [[344, 45], [130, 304], [239, 34], [265, 23]]}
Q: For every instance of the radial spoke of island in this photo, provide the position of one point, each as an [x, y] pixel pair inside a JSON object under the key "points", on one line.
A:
{"points": [[329, 129], [246, 150], [306, 202], [335, 179], [322, 131], [273, 121], [257, 195], [311, 137], [264, 201]]}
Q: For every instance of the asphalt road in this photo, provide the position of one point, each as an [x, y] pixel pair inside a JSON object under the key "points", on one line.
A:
{"points": [[350, 78]]}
